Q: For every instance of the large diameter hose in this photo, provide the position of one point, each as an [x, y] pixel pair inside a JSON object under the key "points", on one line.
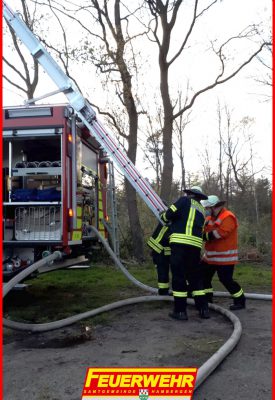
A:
{"points": [[120, 265], [208, 367], [203, 372], [57, 255], [75, 318]]}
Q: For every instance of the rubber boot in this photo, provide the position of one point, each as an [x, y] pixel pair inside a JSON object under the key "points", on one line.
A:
{"points": [[179, 309], [163, 292], [204, 311], [239, 303], [202, 306]]}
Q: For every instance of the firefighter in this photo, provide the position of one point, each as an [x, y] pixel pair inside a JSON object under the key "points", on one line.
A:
{"points": [[159, 243], [186, 217], [221, 250]]}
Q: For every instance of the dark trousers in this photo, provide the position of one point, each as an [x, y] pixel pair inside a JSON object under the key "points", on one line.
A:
{"points": [[162, 263], [185, 266], [225, 275]]}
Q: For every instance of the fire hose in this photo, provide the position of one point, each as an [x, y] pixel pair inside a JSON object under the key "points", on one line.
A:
{"points": [[203, 372]]}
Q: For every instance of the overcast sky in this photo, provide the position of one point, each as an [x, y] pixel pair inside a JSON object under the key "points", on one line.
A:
{"points": [[243, 95]]}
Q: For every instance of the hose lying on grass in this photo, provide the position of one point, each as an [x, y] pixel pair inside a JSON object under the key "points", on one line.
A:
{"points": [[203, 372]]}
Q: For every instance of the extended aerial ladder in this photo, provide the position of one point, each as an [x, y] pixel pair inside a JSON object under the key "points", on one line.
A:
{"points": [[84, 111]]}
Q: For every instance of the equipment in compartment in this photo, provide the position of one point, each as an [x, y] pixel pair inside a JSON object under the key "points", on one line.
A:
{"points": [[37, 223], [12, 264], [50, 194], [37, 164]]}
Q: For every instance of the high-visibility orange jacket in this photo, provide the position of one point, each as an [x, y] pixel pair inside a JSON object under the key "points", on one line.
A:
{"points": [[221, 234]]}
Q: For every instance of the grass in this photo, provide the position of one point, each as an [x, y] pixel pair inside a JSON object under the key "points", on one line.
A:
{"points": [[63, 293]]}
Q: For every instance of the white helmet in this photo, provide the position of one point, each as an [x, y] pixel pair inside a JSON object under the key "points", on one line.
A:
{"points": [[212, 201], [196, 190]]}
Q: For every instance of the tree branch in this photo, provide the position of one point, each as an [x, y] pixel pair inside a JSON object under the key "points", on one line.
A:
{"points": [[219, 82], [112, 119], [17, 48], [14, 69], [14, 84], [187, 35]]}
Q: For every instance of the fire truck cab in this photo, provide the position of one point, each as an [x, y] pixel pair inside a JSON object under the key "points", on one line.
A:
{"points": [[54, 185]]}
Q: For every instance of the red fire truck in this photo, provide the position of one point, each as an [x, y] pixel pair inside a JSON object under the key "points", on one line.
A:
{"points": [[54, 185]]}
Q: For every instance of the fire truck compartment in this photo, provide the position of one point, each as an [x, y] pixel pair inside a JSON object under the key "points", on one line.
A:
{"points": [[54, 185]]}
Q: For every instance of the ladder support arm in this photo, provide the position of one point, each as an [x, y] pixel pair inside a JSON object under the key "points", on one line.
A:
{"points": [[84, 111]]}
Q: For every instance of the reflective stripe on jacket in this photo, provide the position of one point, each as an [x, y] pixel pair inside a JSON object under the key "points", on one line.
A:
{"points": [[159, 241], [222, 246], [187, 219]]}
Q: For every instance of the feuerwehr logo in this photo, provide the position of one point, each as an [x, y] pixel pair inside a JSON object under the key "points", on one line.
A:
{"points": [[139, 383]]}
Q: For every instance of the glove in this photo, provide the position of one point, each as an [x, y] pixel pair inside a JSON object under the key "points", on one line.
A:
{"points": [[208, 236]]}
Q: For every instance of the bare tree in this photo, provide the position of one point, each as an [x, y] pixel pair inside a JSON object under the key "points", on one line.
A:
{"points": [[234, 155], [209, 173], [236, 144], [179, 129], [165, 14], [267, 79], [117, 60], [153, 148], [26, 73], [220, 166], [233, 148], [265, 60], [114, 42]]}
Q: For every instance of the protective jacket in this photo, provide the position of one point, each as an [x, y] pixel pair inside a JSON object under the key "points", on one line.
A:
{"points": [[159, 241], [187, 219], [221, 235]]}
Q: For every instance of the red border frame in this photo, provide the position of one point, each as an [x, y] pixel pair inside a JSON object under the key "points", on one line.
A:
{"points": [[273, 217], [1, 214]]}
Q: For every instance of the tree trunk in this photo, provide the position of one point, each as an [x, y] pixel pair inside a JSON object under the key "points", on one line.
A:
{"points": [[129, 102], [135, 227], [183, 180], [167, 171]]}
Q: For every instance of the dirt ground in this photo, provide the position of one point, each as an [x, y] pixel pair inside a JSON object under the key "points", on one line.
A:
{"points": [[52, 366]]}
